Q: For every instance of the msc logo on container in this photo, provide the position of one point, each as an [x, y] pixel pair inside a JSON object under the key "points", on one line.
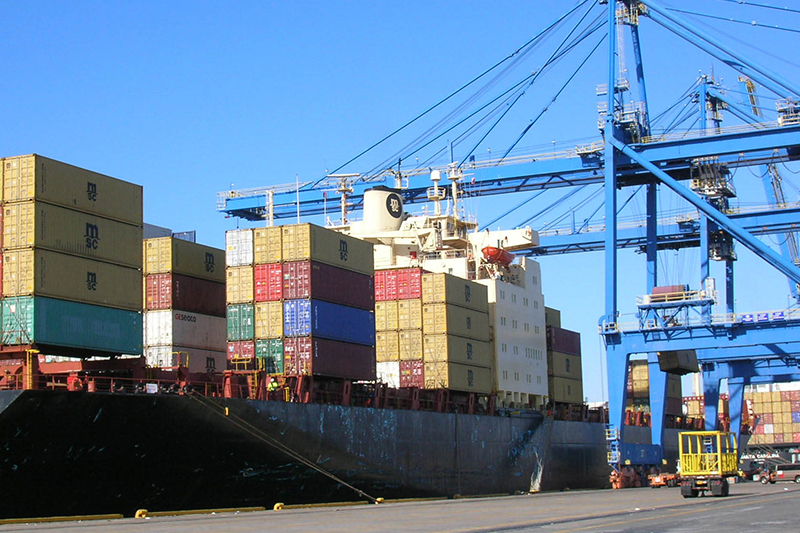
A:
{"points": [[92, 236], [470, 378], [185, 318], [469, 351], [343, 249], [91, 281], [209, 262], [91, 191], [467, 293]]}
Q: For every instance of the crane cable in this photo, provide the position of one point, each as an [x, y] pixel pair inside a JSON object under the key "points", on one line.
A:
{"points": [[260, 435], [725, 19], [463, 87], [522, 93], [754, 4]]}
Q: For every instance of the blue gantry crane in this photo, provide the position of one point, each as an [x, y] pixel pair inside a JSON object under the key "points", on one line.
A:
{"points": [[672, 329]]}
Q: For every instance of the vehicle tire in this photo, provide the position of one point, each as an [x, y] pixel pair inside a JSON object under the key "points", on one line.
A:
{"points": [[797, 479], [764, 480], [725, 488]]}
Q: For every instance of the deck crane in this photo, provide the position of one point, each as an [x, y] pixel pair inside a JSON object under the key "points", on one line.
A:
{"points": [[739, 348]]}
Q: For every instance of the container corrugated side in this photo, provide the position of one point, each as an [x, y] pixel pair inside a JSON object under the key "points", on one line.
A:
{"points": [[268, 281], [241, 322], [563, 340], [565, 390], [50, 227], [267, 245], [193, 359], [458, 377], [269, 320], [33, 177], [184, 329], [329, 321], [33, 272], [239, 247], [326, 357], [409, 283], [270, 353], [238, 350], [444, 348], [309, 242], [176, 291], [167, 254], [412, 374], [446, 288], [454, 320], [386, 315], [564, 365], [61, 323], [320, 281], [239, 287], [389, 373], [409, 314], [386, 346], [410, 344]]}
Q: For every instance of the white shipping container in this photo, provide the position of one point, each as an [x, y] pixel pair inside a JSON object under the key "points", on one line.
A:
{"points": [[203, 361], [389, 373], [239, 247], [179, 328]]}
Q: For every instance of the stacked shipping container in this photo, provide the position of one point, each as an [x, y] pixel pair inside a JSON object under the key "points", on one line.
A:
{"points": [[433, 331], [774, 413], [184, 319], [71, 250], [300, 301], [564, 369], [639, 389]]}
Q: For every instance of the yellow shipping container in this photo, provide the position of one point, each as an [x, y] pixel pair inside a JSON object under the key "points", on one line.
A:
{"points": [[33, 177], [269, 320], [450, 319], [409, 314], [239, 287], [458, 377], [786, 407], [410, 343], [755, 439], [565, 390], [267, 245], [565, 365], [68, 277], [446, 288], [639, 370], [450, 348], [552, 317], [788, 438], [775, 397], [47, 226], [386, 347], [307, 241], [167, 254], [386, 315]]}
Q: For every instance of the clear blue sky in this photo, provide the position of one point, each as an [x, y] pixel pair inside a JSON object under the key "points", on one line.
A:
{"points": [[187, 98]]}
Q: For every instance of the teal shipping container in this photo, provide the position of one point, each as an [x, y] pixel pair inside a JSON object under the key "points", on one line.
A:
{"points": [[270, 351], [60, 323], [241, 322]]}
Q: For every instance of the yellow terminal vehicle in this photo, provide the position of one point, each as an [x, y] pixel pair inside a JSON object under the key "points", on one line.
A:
{"points": [[707, 458]]}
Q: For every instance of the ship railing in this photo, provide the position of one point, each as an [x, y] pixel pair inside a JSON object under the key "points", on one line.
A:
{"points": [[114, 385], [630, 322]]}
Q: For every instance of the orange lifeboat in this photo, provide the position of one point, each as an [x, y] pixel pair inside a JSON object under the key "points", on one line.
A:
{"points": [[497, 255]]}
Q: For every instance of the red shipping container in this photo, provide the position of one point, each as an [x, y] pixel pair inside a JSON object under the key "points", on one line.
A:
{"points": [[794, 395], [766, 418], [325, 357], [795, 406], [795, 437], [412, 374], [241, 350], [409, 283], [385, 285], [184, 293], [268, 282], [310, 279], [563, 340], [760, 429], [778, 438], [786, 396]]}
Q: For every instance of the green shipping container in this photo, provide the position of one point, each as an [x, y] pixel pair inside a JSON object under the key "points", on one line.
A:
{"points": [[241, 322], [270, 352], [33, 177], [60, 323]]}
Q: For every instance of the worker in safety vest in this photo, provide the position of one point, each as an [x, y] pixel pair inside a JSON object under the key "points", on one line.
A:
{"points": [[273, 385]]}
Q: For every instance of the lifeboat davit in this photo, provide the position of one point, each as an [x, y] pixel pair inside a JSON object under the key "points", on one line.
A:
{"points": [[497, 255]]}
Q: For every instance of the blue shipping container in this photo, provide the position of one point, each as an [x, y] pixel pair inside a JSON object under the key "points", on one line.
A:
{"points": [[51, 322], [327, 320]]}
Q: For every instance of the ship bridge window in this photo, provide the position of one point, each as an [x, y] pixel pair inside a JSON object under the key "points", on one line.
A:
{"points": [[525, 302], [535, 304], [513, 298], [516, 350], [514, 324], [527, 327], [502, 321]]}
